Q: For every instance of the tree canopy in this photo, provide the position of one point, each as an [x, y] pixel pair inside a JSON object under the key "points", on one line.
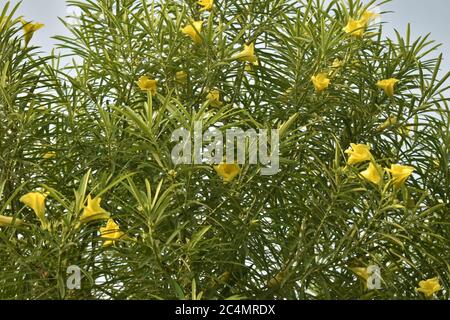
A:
{"points": [[87, 178]]}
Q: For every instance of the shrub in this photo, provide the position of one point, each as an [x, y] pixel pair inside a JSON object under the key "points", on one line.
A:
{"points": [[83, 140]]}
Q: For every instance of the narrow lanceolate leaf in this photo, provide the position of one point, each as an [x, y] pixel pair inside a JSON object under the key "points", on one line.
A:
{"points": [[137, 146]]}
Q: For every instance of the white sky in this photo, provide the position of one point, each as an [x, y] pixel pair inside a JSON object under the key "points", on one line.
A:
{"points": [[426, 16]]}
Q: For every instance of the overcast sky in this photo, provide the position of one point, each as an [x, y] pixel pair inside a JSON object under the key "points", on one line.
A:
{"points": [[430, 16]]}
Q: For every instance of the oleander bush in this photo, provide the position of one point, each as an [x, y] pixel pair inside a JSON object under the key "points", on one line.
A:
{"points": [[87, 178]]}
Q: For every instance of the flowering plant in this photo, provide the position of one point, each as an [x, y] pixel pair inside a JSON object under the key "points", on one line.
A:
{"points": [[87, 178]]}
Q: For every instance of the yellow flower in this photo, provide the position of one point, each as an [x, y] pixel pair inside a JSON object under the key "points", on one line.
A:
{"points": [[372, 174], [400, 174], [429, 287], [8, 221], [111, 233], [358, 27], [147, 84], [359, 153], [214, 98], [388, 85], [227, 171], [320, 82], [193, 30], [29, 29], [36, 201], [181, 77], [49, 155], [206, 4], [391, 121], [361, 272], [247, 54], [355, 27], [93, 211], [368, 16]]}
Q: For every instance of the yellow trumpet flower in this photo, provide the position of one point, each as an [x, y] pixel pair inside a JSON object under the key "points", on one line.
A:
{"points": [[36, 201], [361, 272], [147, 84], [227, 171], [214, 98], [206, 4], [368, 16], [388, 85], [93, 211], [358, 153], [372, 174], [400, 174], [429, 287], [320, 82], [111, 233], [29, 29], [355, 27], [247, 54], [193, 30]]}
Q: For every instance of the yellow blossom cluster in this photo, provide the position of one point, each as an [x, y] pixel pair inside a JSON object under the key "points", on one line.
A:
{"points": [[357, 27], [360, 153], [92, 212]]}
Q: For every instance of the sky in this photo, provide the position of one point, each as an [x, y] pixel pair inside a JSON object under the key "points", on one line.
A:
{"points": [[430, 16]]}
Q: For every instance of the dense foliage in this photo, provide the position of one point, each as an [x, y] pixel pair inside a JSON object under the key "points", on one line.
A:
{"points": [[75, 127]]}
